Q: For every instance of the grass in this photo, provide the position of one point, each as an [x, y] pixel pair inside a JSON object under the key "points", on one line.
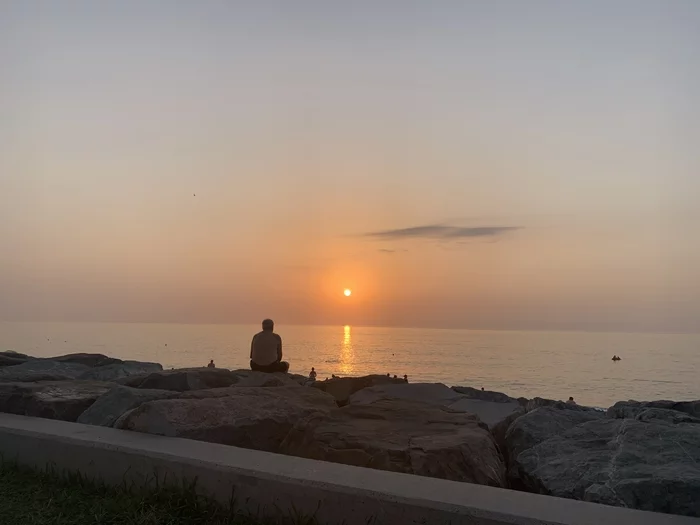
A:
{"points": [[29, 497]]}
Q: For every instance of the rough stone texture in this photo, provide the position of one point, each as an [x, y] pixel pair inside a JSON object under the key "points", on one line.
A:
{"points": [[401, 436], [659, 415], [9, 360], [111, 405], [542, 424], [498, 415], [16, 355], [631, 409], [623, 462], [42, 370], [186, 379], [538, 402], [120, 370], [90, 360], [64, 400], [484, 395], [249, 417], [342, 388]]}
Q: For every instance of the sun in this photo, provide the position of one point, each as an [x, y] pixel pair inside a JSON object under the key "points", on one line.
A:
{"points": [[347, 292]]}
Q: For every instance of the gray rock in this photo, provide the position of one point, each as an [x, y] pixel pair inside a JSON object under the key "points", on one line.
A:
{"points": [[120, 370], [186, 379], [652, 466], [6, 360], [401, 436], [249, 417], [342, 388], [484, 395], [111, 405], [538, 402], [42, 370], [498, 415], [542, 424], [64, 400], [15, 355], [673, 417], [631, 409], [90, 360]]}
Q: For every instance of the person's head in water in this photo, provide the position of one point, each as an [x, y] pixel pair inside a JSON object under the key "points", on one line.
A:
{"points": [[268, 325]]}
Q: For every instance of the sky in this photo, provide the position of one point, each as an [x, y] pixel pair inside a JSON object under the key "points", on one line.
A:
{"points": [[468, 164]]}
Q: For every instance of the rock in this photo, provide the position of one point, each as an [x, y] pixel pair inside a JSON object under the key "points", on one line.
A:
{"points": [[648, 466], [673, 417], [538, 402], [15, 355], [120, 370], [64, 400], [186, 379], [631, 409], [401, 436], [90, 360], [498, 415], [10, 360], [114, 403], [542, 424], [249, 417], [484, 395], [42, 370], [341, 388]]}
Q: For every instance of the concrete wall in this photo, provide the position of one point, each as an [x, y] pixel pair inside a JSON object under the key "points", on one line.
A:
{"points": [[272, 485]]}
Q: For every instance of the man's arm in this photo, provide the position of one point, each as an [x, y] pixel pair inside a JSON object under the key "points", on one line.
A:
{"points": [[279, 348], [252, 345]]}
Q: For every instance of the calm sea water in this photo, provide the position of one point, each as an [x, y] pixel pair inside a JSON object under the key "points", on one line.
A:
{"points": [[548, 364]]}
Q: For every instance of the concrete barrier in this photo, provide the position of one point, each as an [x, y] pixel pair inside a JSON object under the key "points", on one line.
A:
{"points": [[272, 485]]}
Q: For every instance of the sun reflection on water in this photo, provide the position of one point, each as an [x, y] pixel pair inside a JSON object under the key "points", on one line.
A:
{"points": [[347, 355]]}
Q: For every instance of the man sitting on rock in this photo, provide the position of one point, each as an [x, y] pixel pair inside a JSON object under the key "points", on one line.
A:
{"points": [[266, 350]]}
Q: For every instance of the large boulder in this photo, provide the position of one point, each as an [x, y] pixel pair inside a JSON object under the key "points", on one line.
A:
{"points": [[111, 405], [542, 424], [401, 436], [10, 360], [42, 370], [120, 370], [341, 388], [90, 360], [15, 355], [488, 395], [249, 417], [649, 466], [632, 409], [538, 402], [498, 415], [186, 379], [64, 400]]}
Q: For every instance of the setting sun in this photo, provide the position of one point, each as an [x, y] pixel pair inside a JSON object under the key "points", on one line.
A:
{"points": [[347, 292]]}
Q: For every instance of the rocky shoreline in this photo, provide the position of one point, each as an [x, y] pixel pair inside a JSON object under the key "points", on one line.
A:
{"points": [[643, 455]]}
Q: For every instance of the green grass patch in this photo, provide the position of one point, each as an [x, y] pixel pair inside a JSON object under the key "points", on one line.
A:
{"points": [[29, 497]]}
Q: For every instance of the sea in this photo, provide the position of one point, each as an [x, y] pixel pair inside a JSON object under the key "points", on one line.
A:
{"points": [[554, 365]]}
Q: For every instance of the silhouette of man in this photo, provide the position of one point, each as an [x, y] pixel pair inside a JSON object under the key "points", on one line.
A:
{"points": [[266, 350]]}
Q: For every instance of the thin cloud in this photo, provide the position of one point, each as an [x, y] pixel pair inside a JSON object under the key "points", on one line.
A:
{"points": [[439, 231], [388, 251]]}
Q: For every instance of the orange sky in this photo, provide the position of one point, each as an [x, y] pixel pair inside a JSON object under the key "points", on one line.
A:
{"points": [[461, 167]]}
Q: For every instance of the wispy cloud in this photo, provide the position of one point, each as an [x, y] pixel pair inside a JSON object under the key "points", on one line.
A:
{"points": [[388, 251], [441, 231]]}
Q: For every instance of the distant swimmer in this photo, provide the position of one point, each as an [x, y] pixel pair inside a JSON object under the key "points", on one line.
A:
{"points": [[312, 374], [211, 364], [616, 358]]}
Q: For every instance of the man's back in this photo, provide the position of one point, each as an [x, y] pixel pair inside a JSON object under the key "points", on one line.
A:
{"points": [[266, 348]]}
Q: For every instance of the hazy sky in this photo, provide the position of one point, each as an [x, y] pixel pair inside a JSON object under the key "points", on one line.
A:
{"points": [[483, 164]]}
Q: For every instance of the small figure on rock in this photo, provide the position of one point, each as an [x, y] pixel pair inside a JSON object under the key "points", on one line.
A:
{"points": [[266, 350], [388, 374], [395, 376], [482, 388], [312, 374], [405, 378], [211, 364], [333, 376], [571, 401]]}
